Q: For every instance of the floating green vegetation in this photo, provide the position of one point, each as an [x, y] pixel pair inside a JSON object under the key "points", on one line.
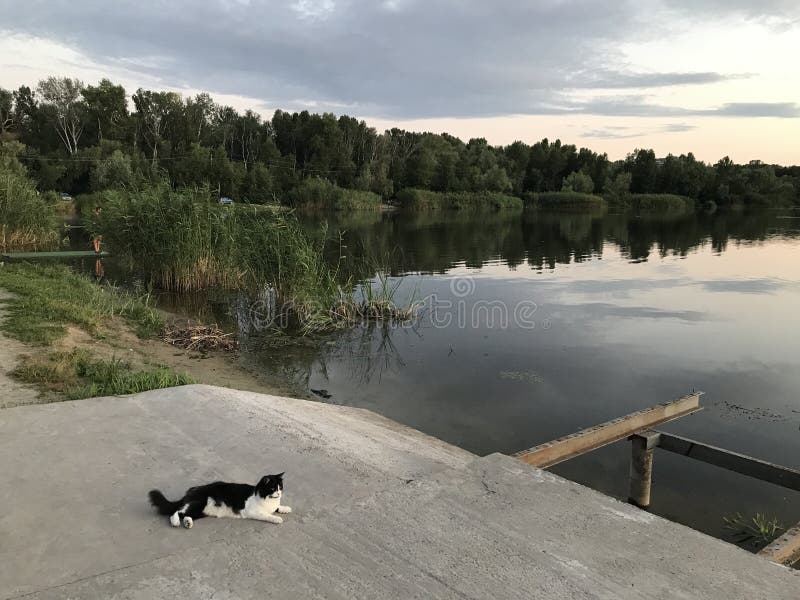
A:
{"points": [[47, 298], [419, 199], [77, 374]]}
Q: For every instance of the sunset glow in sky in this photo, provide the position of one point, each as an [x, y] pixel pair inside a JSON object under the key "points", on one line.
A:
{"points": [[713, 77]]}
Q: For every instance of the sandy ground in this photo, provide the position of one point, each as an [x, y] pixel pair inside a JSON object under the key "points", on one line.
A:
{"points": [[213, 368], [117, 341]]}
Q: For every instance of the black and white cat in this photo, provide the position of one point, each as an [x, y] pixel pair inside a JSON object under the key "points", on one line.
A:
{"points": [[219, 499]]}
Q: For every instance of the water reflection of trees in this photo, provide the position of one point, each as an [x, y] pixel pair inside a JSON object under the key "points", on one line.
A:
{"points": [[435, 242]]}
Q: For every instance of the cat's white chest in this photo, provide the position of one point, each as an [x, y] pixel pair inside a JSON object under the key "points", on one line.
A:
{"points": [[256, 506]]}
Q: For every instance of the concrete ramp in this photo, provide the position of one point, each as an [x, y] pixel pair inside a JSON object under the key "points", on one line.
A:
{"points": [[380, 511]]}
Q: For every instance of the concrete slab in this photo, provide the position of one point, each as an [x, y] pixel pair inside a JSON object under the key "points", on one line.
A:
{"points": [[381, 511]]}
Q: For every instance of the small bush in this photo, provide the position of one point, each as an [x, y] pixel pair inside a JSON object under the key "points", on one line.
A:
{"points": [[317, 194], [27, 219]]}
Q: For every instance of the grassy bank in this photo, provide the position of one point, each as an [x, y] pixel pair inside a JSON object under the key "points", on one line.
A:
{"points": [[315, 193], [27, 219], [567, 201], [49, 300], [418, 199]]}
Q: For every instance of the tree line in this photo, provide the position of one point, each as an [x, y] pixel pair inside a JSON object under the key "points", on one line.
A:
{"points": [[80, 138]]}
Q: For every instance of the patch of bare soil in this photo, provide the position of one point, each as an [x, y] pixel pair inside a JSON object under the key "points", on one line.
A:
{"points": [[214, 367]]}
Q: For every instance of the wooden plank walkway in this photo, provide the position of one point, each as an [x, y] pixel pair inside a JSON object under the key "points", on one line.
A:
{"points": [[785, 550], [551, 453]]}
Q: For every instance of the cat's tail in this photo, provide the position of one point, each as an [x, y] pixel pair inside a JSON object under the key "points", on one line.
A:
{"points": [[164, 506]]}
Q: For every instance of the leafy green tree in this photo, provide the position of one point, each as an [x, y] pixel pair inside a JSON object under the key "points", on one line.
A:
{"points": [[496, 180], [642, 166], [106, 110], [199, 114], [155, 112], [114, 172], [619, 189], [257, 186], [62, 101], [6, 113], [578, 181]]}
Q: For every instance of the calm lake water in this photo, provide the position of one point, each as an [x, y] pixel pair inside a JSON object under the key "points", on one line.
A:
{"points": [[538, 325]]}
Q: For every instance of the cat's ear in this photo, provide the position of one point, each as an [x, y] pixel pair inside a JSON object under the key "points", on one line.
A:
{"points": [[279, 475]]}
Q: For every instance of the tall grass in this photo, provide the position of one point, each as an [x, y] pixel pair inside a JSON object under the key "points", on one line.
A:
{"points": [[567, 201], [315, 193], [182, 241], [27, 220], [419, 199]]}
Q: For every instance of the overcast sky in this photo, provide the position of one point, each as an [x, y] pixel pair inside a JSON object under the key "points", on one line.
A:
{"points": [[715, 77]]}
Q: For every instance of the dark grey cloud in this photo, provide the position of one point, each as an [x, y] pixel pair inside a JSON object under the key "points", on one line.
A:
{"points": [[380, 58]]}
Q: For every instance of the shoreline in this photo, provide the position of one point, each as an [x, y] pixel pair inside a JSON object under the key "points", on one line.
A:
{"points": [[23, 380]]}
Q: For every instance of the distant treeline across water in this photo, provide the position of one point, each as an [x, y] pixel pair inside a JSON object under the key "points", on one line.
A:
{"points": [[80, 138]]}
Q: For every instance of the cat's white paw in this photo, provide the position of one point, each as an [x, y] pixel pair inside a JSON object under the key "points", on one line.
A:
{"points": [[277, 520], [174, 520], [284, 510], [188, 522]]}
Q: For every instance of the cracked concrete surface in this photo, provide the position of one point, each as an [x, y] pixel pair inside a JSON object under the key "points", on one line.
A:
{"points": [[380, 511]]}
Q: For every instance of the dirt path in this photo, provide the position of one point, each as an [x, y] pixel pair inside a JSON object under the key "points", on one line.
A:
{"points": [[12, 393]]}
